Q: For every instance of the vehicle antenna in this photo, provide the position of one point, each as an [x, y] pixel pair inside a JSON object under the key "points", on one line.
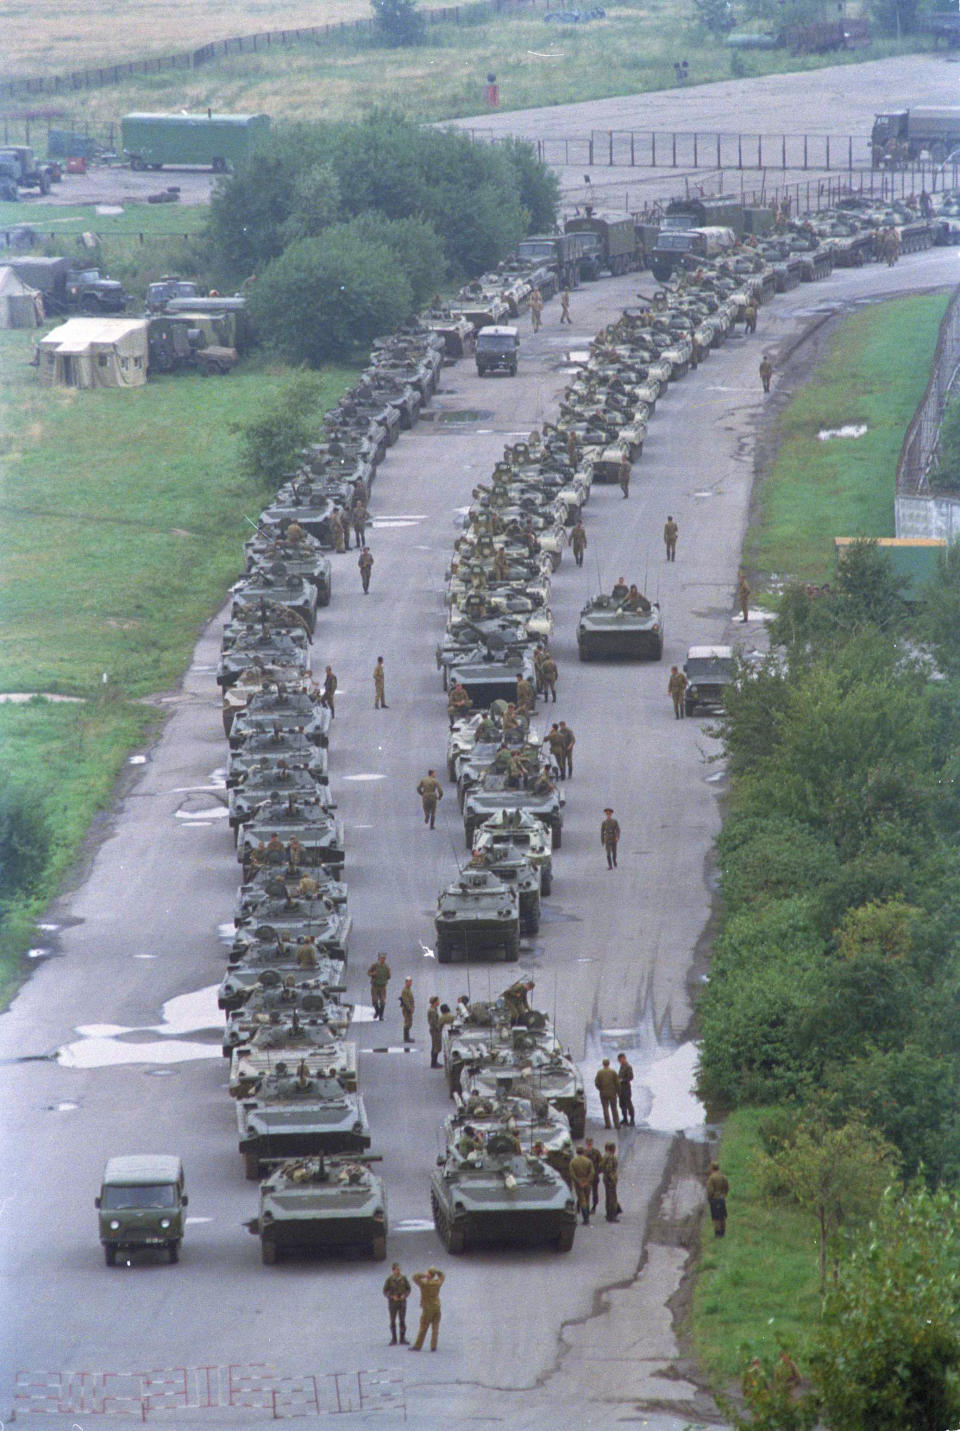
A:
{"points": [[256, 525], [456, 857], [599, 574], [554, 1000]]}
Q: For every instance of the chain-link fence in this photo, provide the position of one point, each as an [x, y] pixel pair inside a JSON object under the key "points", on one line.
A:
{"points": [[918, 512]]}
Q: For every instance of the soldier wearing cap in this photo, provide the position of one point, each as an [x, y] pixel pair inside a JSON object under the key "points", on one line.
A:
{"points": [[379, 976], [610, 837], [407, 1006], [396, 1289]]}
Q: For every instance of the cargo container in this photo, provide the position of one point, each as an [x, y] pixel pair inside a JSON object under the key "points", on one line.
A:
{"points": [[216, 141]]}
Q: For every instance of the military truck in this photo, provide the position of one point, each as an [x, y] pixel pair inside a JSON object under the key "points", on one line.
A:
{"points": [[721, 211], [902, 135], [92, 292], [614, 243], [18, 163], [675, 246], [164, 289], [562, 254], [141, 1205], [216, 141]]}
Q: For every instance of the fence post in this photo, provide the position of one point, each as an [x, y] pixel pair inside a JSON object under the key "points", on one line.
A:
{"points": [[740, 153], [696, 164], [632, 156], [828, 151], [610, 148], [590, 152], [783, 144], [719, 165]]}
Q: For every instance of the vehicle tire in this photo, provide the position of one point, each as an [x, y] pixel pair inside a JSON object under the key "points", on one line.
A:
{"points": [[468, 835], [268, 1252], [110, 1254], [251, 1167], [565, 1239], [378, 1250], [451, 770], [89, 304], [443, 950], [513, 371], [546, 884], [137, 164], [219, 166], [532, 925], [174, 1250], [578, 1125], [688, 710], [455, 1240], [44, 183], [511, 948], [557, 834]]}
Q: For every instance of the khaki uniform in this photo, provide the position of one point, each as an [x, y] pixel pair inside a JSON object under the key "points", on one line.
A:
{"points": [[396, 1289], [379, 679], [379, 976], [717, 1189], [430, 791], [625, 1093], [429, 1308], [569, 741], [436, 1034], [565, 307], [526, 695], [607, 1085], [365, 563], [743, 598], [329, 693], [670, 533], [407, 1007], [578, 542], [676, 689], [766, 373], [307, 954], [610, 1172], [581, 1172], [549, 673], [609, 839]]}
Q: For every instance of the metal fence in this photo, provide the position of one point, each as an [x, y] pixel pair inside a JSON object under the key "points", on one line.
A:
{"points": [[347, 30], [695, 149], [918, 513]]}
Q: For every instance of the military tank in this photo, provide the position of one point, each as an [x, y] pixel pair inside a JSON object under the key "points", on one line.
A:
{"points": [[495, 1193], [514, 870], [475, 913], [493, 793], [607, 627], [550, 1070], [292, 1114], [272, 1000], [318, 833], [321, 1204], [271, 779], [286, 923], [521, 831]]}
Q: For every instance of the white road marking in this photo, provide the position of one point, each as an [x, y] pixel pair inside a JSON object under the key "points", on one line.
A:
{"points": [[413, 1224], [364, 775]]}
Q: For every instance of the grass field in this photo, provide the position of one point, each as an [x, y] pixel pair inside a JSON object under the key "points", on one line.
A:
{"points": [[875, 373], [121, 521], [631, 51], [53, 221]]}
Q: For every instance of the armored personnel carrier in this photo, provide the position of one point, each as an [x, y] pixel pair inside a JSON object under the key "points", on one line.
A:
{"points": [[275, 585], [293, 1114], [607, 627], [302, 558], [318, 833], [278, 958], [514, 870], [467, 638], [521, 831], [519, 1109], [283, 655], [493, 793], [278, 883], [271, 1000], [321, 1204], [549, 1070], [289, 1041], [476, 913], [273, 710], [274, 748], [495, 1193], [288, 922], [270, 779]]}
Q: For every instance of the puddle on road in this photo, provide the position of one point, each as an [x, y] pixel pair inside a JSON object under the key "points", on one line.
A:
{"points": [[106, 1045], [663, 1077]]}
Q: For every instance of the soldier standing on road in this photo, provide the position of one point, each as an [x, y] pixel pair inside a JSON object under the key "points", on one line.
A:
{"points": [[670, 533], [536, 309], [407, 1006], [430, 791], [596, 1158], [379, 976], [429, 1283], [358, 516], [565, 307], [329, 690], [750, 319], [581, 1172], [336, 531], [610, 1171], [578, 541], [558, 748], [365, 563], [623, 477], [717, 1189], [569, 741], [743, 597], [379, 677], [607, 1084], [676, 688], [397, 1289], [625, 1090], [436, 1033], [526, 695], [549, 674], [766, 372], [610, 837]]}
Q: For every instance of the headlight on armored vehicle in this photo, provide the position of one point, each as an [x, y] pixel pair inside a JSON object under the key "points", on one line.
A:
{"points": [[114, 1225]]}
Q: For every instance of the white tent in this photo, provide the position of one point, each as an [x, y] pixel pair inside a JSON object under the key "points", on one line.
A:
{"points": [[20, 305], [94, 353]]}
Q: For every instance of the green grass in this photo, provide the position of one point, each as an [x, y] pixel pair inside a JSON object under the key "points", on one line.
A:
{"points": [[760, 1283], [631, 51], [875, 373], [121, 522], [52, 221]]}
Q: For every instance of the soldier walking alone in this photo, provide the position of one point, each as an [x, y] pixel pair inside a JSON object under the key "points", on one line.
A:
{"points": [[610, 837], [670, 533], [676, 689], [623, 477], [766, 372], [717, 1189], [329, 691], [397, 1289], [578, 542], [379, 976], [565, 308], [625, 1091], [365, 563], [430, 791], [379, 677], [536, 309], [743, 597]]}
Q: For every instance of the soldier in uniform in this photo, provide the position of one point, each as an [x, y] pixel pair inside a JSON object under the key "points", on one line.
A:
{"points": [[670, 533], [526, 695], [607, 1084], [407, 1006], [329, 691], [458, 703], [676, 687], [539, 655], [717, 1189], [358, 516], [623, 477], [549, 673], [557, 748], [396, 1289], [581, 1173], [307, 952], [610, 1172], [365, 563], [569, 741], [275, 852], [436, 1032], [501, 567], [517, 1000], [743, 597], [336, 531], [620, 589], [750, 318], [430, 791], [379, 976], [536, 309], [596, 1158], [565, 308], [610, 837], [294, 533], [578, 542], [379, 677], [766, 372], [625, 1091], [429, 1283]]}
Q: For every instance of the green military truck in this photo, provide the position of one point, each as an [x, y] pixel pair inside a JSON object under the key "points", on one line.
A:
{"points": [[901, 136], [216, 141], [614, 239], [563, 253]]}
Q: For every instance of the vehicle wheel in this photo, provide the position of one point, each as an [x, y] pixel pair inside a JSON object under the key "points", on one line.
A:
{"points": [[557, 834], [88, 304], [546, 883], [578, 1125], [110, 1254], [268, 1252], [379, 1249], [219, 166], [513, 371], [582, 653], [44, 183], [565, 1239], [137, 164], [251, 1167], [443, 951], [451, 770], [468, 836], [532, 925], [174, 1250], [455, 1240], [511, 948]]}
